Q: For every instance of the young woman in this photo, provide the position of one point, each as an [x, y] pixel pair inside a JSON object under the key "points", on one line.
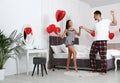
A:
{"points": [[70, 33]]}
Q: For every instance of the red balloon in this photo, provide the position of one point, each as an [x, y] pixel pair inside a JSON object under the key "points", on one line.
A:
{"points": [[28, 30], [48, 30], [119, 29], [60, 14], [51, 28], [111, 35], [57, 30], [93, 34]]}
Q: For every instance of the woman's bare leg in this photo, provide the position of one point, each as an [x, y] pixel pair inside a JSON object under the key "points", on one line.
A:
{"points": [[68, 59], [75, 61], [74, 57]]}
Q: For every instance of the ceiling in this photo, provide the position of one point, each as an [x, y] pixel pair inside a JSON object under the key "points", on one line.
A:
{"points": [[96, 3]]}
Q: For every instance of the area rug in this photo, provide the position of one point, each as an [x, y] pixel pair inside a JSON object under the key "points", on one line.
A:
{"points": [[81, 74]]}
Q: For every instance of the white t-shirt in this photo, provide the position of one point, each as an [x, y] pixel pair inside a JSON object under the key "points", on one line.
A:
{"points": [[102, 29]]}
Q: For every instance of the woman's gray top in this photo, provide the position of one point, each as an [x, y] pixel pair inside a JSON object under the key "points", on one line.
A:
{"points": [[70, 37]]}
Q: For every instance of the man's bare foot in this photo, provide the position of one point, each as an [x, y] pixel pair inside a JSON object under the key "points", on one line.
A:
{"points": [[103, 73]]}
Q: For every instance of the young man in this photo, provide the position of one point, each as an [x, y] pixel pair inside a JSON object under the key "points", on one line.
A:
{"points": [[99, 44]]}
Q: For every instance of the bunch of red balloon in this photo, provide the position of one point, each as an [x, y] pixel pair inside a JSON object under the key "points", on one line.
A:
{"points": [[111, 35], [52, 28], [60, 14]]}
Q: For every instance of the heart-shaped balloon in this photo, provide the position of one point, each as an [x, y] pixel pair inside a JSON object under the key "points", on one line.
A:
{"points": [[57, 30], [51, 28], [60, 14], [28, 30], [119, 29], [48, 30], [93, 34], [111, 35]]}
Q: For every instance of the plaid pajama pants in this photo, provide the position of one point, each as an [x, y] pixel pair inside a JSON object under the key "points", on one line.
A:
{"points": [[101, 47]]}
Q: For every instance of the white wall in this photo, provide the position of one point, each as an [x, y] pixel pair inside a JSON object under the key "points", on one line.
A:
{"points": [[15, 14], [106, 14]]}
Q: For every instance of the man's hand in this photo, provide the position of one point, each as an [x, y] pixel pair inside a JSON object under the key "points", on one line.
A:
{"points": [[114, 21], [112, 12]]}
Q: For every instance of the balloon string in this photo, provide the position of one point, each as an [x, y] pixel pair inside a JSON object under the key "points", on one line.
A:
{"points": [[57, 40]]}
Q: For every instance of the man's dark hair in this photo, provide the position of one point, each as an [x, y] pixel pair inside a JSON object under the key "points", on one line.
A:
{"points": [[97, 12]]}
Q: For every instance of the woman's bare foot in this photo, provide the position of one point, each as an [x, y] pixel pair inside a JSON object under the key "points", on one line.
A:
{"points": [[67, 68], [76, 69]]}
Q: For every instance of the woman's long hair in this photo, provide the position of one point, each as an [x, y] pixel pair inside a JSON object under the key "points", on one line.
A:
{"points": [[67, 24]]}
